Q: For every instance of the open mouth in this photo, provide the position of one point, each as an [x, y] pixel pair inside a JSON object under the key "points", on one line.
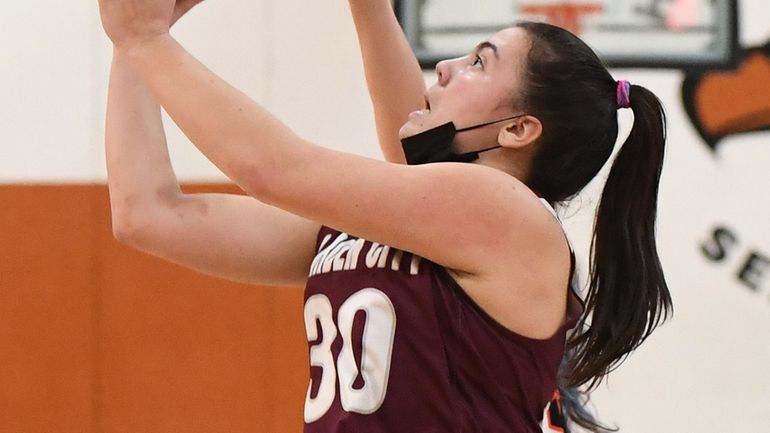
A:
{"points": [[427, 103]]}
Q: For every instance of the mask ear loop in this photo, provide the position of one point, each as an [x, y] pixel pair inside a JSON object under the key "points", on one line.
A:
{"points": [[469, 128], [471, 156], [487, 149], [474, 155]]}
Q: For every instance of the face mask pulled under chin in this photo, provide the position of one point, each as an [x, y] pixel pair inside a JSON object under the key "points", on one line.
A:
{"points": [[435, 144]]}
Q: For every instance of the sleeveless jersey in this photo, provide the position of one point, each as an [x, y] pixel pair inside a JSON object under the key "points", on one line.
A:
{"points": [[396, 345]]}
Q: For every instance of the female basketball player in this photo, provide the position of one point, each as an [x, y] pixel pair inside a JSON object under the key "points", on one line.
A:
{"points": [[437, 291]]}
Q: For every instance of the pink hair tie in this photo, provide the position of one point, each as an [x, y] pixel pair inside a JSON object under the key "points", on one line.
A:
{"points": [[624, 94]]}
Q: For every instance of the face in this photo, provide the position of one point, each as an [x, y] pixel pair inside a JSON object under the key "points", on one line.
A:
{"points": [[476, 88]]}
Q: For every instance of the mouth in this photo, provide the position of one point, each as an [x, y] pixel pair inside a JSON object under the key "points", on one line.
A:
{"points": [[427, 102]]}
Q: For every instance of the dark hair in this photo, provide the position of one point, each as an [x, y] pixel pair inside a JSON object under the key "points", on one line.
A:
{"points": [[570, 91]]}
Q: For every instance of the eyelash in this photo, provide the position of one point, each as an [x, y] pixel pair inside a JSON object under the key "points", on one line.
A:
{"points": [[478, 61]]}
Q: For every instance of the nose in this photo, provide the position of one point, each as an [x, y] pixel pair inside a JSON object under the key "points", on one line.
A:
{"points": [[443, 71]]}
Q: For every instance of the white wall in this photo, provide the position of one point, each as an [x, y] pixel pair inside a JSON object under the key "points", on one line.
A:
{"points": [[291, 56], [707, 370]]}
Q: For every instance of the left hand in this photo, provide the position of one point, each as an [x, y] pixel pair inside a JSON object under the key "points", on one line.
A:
{"points": [[129, 21]]}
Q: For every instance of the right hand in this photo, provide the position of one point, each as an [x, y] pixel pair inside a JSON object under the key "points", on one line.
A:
{"points": [[181, 7]]}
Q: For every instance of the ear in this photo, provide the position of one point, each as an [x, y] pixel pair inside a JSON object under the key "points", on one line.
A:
{"points": [[520, 132]]}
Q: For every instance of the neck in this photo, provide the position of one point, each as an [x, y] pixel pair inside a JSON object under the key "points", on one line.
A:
{"points": [[515, 162]]}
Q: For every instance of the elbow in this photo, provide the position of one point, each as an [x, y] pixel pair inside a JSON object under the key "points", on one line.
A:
{"points": [[133, 220], [135, 216], [128, 227]]}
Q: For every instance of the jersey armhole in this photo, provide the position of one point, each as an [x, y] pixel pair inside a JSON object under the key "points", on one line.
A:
{"points": [[575, 304]]}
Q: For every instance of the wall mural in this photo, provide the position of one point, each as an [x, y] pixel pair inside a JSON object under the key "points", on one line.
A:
{"points": [[727, 102], [724, 103]]}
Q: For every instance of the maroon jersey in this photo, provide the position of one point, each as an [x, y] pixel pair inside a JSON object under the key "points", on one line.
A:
{"points": [[396, 345]]}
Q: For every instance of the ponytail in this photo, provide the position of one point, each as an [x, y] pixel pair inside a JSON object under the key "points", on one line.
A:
{"points": [[627, 294], [568, 88]]}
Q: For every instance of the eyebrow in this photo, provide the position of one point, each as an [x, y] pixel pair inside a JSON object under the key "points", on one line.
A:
{"points": [[490, 45]]}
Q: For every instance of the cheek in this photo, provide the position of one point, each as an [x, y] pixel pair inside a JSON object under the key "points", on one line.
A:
{"points": [[477, 89], [474, 103]]}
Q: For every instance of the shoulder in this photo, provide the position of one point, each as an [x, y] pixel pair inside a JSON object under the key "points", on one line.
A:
{"points": [[519, 220], [524, 285]]}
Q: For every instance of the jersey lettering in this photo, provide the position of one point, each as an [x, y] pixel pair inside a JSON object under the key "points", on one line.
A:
{"points": [[342, 254], [377, 347], [319, 309]]}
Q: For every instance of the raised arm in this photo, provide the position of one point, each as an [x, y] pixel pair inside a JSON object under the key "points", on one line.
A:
{"points": [[395, 81], [466, 217], [229, 236], [458, 215]]}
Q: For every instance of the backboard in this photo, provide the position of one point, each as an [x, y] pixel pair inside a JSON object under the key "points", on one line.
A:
{"points": [[680, 34]]}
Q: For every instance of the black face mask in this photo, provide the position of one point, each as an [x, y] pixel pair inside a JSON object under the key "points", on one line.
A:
{"points": [[435, 144]]}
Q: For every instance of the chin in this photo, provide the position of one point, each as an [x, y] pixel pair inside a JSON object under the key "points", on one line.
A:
{"points": [[412, 128], [408, 130]]}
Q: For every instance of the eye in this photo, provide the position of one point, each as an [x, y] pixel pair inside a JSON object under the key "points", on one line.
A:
{"points": [[478, 61]]}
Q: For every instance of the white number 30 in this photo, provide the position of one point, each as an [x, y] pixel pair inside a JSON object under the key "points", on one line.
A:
{"points": [[377, 347]]}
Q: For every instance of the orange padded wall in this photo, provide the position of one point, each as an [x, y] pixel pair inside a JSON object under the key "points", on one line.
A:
{"points": [[95, 337]]}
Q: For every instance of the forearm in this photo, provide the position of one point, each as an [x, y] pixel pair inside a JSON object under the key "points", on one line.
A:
{"points": [[138, 165], [255, 242], [393, 75], [235, 133]]}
